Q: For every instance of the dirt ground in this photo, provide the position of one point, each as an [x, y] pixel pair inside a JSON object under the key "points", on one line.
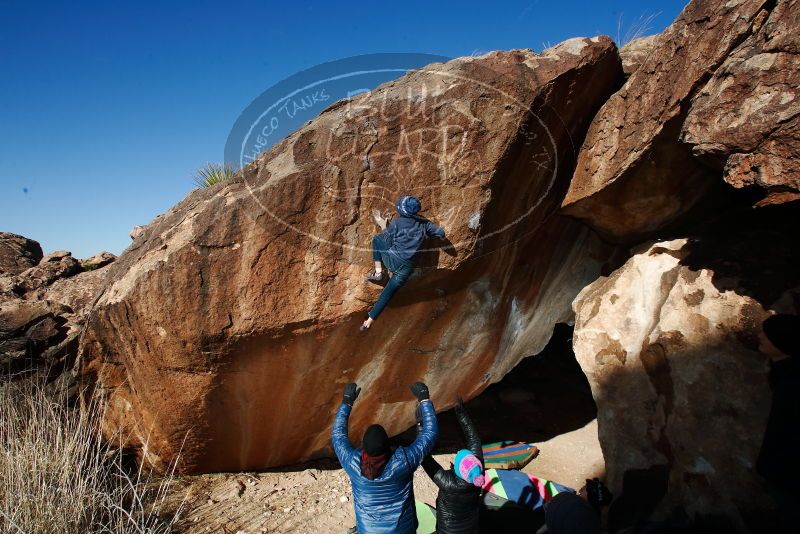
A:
{"points": [[545, 400]]}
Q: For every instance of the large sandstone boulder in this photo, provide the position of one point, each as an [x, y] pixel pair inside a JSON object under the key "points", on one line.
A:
{"points": [[227, 330], [670, 344], [746, 120], [634, 176]]}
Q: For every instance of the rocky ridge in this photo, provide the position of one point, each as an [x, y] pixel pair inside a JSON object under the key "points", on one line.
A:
{"points": [[44, 300]]}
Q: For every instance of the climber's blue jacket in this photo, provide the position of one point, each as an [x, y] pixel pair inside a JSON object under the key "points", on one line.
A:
{"points": [[405, 235], [385, 505]]}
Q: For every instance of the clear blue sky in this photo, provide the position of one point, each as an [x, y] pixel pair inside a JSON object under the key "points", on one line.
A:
{"points": [[107, 108]]}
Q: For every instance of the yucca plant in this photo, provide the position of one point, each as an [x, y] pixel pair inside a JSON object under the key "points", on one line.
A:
{"points": [[213, 173]]}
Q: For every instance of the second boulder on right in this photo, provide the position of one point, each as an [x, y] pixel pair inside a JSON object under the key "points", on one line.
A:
{"points": [[672, 345], [746, 120], [716, 95]]}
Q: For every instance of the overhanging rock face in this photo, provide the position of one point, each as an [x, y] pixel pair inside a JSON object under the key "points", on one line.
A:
{"points": [[229, 327]]}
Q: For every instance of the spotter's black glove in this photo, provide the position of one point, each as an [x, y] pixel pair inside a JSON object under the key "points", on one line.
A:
{"points": [[420, 391], [351, 392]]}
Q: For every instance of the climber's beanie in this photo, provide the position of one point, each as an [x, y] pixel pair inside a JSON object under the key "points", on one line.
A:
{"points": [[408, 206], [469, 468], [376, 441]]}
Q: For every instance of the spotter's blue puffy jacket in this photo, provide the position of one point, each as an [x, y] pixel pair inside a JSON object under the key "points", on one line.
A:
{"points": [[385, 505]]}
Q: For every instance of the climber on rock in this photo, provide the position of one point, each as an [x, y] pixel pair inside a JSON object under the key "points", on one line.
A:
{"points": [[383, 492], [458, 502], [396, 248]]}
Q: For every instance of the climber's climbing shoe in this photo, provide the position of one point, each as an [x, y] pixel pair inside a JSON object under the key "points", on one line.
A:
{"points": [[375, 276], [365, 325]]}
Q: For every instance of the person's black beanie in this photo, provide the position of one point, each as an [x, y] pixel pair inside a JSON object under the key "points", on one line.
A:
{"points": [[375, 440], [783, 331], [567, 513]]}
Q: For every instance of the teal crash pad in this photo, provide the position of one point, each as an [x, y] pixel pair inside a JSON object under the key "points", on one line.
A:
{"points": [[426, 516]]}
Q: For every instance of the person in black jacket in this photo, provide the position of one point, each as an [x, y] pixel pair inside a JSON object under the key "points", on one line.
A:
{"points": [[458, 502]]}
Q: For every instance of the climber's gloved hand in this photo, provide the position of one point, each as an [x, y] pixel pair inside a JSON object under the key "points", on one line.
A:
{"points": [[420, 391], [350, 394]]}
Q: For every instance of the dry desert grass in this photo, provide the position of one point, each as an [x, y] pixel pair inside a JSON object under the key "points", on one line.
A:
{"points": [[58, 475]]}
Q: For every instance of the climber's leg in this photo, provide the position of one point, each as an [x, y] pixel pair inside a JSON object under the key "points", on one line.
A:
{"points": [[398, 279], [386, 295], [401, 271], [378, 249]]}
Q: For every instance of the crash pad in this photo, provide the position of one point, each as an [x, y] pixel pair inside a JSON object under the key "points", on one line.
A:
{"points": [[426, 516], [508, 454], [520, 488]]}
